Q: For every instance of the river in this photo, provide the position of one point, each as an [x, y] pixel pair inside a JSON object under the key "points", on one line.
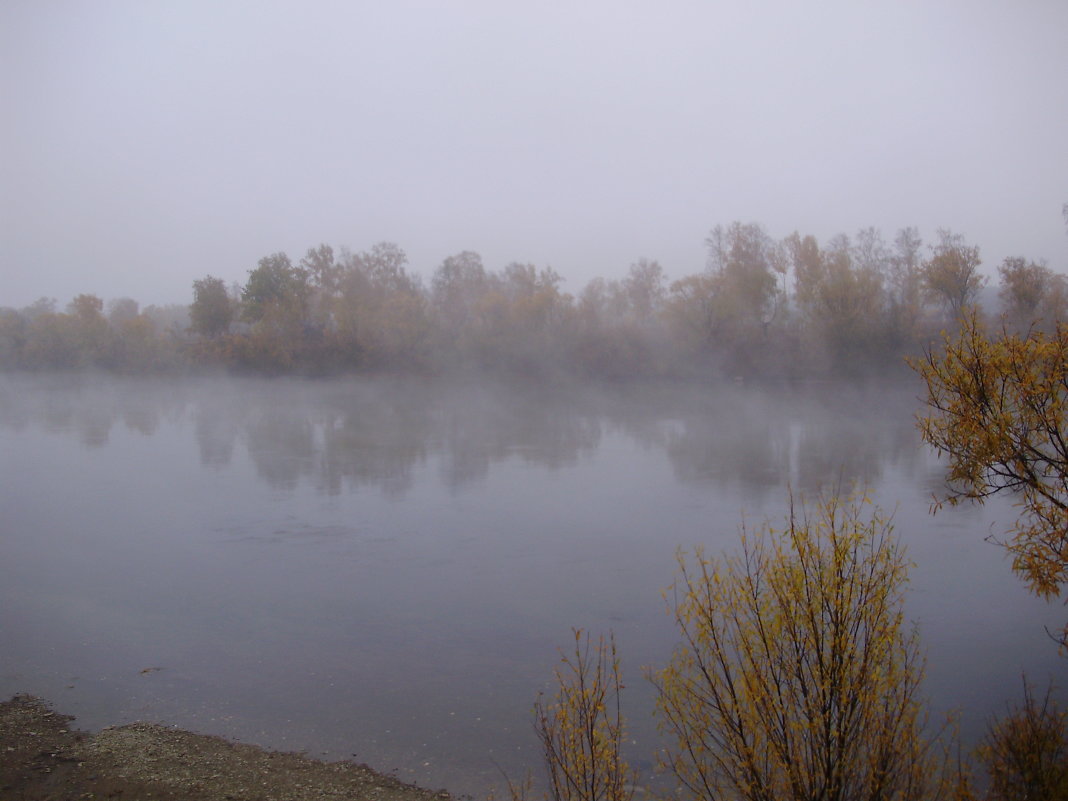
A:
{"points": [[385, 569]]}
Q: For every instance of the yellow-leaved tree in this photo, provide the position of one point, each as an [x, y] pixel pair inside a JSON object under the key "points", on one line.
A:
{"points": [[581, 727], [797, 676], [997, 410]]}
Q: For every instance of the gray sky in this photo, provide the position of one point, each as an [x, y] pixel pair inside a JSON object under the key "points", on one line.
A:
{"points": [[147, 144]]}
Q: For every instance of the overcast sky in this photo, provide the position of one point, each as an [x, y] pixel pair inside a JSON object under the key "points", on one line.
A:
{"points": [[146, 144]]}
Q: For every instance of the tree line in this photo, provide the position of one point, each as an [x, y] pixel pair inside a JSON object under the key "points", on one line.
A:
{"points": [[760, 306]]}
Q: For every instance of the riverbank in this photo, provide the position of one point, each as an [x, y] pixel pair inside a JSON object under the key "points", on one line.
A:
{"points": [[43, 758]]}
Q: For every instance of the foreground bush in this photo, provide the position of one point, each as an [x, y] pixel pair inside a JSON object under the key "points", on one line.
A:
{"points": [[581, 728], [796, 677], [1026, 753]]}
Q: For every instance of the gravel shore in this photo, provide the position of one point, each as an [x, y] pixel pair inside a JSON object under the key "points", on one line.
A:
{"points": [[43, 758]]}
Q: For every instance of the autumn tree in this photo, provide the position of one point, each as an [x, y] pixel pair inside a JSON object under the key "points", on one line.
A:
{"points": [[1026, 290], [796, 677], [997, 409], [456, 287], [527, 317], [322, 269], [138, 347], [581, 728], [381, 311], [90, 328], [744, 259], [1055, 304], [643, 290], [52, 340], [951, 276], [691, 312], [13, 328], [122, 310], [614, 329], [211, 311], [904, 295], [870, 252], [1025, 753], [840, 296]]}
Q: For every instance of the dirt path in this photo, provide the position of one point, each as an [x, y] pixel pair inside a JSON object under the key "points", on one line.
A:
{"points": [[42, 758]]}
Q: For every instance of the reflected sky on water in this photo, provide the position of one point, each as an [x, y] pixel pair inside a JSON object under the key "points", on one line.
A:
{"points": [[387, 567]]}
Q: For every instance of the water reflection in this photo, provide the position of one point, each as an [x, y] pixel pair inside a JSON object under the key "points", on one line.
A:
{"points": [[392, 563], [344, 435], [85, 406]]}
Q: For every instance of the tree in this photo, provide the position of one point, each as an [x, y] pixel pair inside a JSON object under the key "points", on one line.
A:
{"points": [[841, 300], [690, 311], [275, 281], [321, 268], [643, 289], [581, 728], [869, 251], [211, 311], [90, 328], [905, 284], [88, 308], [1026, 753], [456, 287], [998, 410], [380, 315], [951, 276], [54, 340], [745, 259], [1024, 289], [122, 310], [526, 316], [458, 292], [13, 329], [385, 266], [796, 677]]}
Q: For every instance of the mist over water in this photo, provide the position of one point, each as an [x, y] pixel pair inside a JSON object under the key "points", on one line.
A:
{"points": [[386, 567]]}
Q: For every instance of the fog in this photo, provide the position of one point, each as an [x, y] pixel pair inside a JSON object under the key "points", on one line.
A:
{"points": [[386, 559], [146, 145]]}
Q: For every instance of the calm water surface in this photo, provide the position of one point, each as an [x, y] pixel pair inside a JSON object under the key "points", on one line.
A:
{"points": [[386, 568]]}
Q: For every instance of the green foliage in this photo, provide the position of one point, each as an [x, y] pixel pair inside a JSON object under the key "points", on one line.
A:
{"points": [[274, 282], [212, 311]]}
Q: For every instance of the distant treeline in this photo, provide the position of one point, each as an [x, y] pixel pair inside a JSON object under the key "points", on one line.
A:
{"points": [[761, 307]]}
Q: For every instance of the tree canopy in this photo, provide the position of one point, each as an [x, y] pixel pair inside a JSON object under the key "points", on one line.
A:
{"points": [[998, 410], [796, 676]]}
